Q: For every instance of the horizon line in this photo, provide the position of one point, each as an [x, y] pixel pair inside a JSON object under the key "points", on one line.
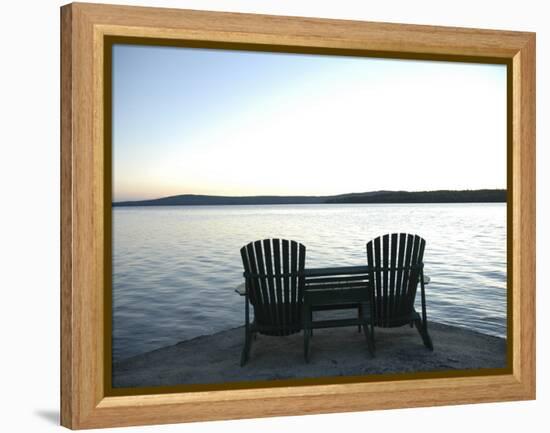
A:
{"points": [[306, 195]]}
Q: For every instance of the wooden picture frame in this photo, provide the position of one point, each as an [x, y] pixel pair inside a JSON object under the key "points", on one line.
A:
{"points": [[86, 398]]}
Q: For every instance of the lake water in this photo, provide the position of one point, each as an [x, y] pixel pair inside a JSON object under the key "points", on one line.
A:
{"points": [[175, 268]]}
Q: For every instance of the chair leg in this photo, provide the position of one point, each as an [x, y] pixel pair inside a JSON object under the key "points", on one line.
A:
{"points": [[359, 316], [423, 331], [306, 344], [246, 349], [248, 333], [369, 335]]}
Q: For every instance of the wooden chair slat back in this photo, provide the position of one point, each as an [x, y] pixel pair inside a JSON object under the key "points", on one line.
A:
{"points": [[275, 283], [396, 260]]}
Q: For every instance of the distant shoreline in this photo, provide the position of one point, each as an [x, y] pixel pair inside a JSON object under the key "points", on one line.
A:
{"points": [[373, 197]]}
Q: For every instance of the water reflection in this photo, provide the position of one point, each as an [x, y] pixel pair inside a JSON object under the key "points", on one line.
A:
{"points": [[175, 268]]}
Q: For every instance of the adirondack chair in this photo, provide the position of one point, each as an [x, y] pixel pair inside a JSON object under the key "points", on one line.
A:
{"points": [[274, 285], [397, 267]]}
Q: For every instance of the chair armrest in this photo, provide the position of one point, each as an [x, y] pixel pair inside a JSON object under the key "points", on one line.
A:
{"points": [[241, 289], [427, 279]]}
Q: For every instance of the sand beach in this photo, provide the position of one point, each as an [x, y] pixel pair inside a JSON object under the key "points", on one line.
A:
{"points": [[215, 358]]}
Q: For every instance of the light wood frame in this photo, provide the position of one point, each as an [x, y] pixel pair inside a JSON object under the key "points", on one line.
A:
{"points": [[84, 401]]}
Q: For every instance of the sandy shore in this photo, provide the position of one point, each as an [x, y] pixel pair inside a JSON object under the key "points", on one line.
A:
{"points": [[334, 352]]}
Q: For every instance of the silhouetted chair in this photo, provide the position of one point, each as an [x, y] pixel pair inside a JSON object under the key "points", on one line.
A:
{"points": [[397, 266], [274, 286]]}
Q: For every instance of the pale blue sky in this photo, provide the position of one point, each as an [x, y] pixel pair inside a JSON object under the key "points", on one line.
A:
{"points": [[199, 121]]}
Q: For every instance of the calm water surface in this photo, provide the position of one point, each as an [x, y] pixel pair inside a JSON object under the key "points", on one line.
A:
{"points": [[175, 268]]}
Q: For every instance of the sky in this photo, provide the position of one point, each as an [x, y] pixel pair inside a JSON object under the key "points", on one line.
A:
{"points": [[218, 122]]}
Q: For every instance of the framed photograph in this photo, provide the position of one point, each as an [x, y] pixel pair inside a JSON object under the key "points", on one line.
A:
{"points": [[267, 215]]}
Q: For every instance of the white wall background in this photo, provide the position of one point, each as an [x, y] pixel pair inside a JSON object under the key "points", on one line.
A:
{"points": [[29, 229]]}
